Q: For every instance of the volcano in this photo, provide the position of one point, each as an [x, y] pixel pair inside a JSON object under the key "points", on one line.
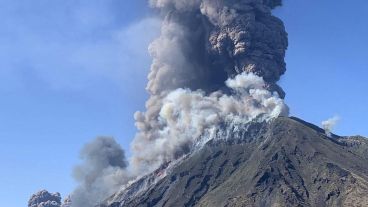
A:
{"points": [[283, 162], [216, 129]]}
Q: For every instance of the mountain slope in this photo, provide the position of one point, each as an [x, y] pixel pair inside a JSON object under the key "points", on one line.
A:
{"points": [[287, 162]]}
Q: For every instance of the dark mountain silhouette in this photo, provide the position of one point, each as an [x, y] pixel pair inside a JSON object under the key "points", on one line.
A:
{"points": [[286, 162]]}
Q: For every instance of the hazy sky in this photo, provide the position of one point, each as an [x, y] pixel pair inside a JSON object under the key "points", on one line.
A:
{"points": [[71, 70]]}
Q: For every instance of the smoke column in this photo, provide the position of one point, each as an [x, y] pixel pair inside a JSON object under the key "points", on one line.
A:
{"points": [[204, 42], [215, 62]]}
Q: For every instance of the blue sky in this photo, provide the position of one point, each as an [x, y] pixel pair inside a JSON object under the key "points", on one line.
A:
{"points": [[71, 70]]}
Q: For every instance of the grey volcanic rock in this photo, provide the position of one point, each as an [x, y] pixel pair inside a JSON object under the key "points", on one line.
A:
{"points": [[286, 162], [45, 199], [358, 144]]}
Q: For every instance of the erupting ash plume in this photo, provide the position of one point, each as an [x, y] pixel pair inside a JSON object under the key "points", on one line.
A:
{"points": [[216, 63], [101, 174], [329, 124], [204, 42]]}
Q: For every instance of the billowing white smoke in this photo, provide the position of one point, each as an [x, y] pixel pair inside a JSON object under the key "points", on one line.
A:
{"points": [[185, 116], [186, 121], [329, 124]]}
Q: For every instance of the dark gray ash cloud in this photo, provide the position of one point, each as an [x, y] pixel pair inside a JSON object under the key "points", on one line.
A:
{"points": [[204, 42], [101, 173]]}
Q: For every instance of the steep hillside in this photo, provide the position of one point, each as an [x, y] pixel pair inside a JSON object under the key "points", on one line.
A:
{"points": [[285, 163]]}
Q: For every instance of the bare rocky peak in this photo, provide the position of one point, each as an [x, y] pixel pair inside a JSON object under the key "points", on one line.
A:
{"points": [[287, 162]]}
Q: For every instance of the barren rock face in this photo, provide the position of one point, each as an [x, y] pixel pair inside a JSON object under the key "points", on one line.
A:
{"points": [[287, 162], [45, 199]]}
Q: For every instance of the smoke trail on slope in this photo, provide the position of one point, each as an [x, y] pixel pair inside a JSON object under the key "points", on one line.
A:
{"points": [[329, 124]]}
